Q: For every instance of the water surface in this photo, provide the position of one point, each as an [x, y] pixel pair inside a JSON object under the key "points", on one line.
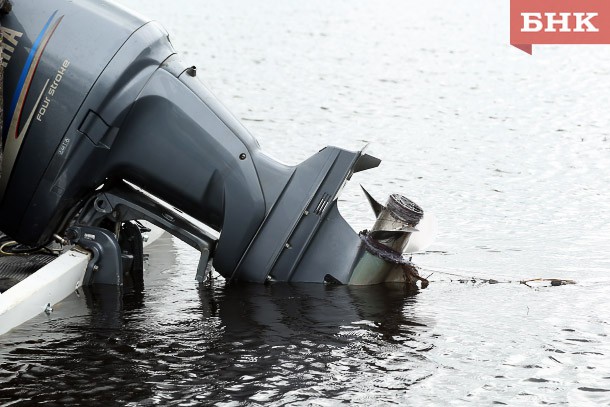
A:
{"points": [[510, 151]]}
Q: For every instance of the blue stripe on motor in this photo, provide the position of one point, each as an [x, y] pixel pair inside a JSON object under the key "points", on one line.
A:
{"points": [[25, 71]]}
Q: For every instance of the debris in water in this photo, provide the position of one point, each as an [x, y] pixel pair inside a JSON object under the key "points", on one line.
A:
{"points": [[554, 282]]}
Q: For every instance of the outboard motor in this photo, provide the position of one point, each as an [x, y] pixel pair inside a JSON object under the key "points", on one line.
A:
{"points": [[103, 125]]}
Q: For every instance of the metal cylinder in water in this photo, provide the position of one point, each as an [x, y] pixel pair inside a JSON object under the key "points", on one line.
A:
{"points": [[400, 215], [377, 263], [380, 258]]}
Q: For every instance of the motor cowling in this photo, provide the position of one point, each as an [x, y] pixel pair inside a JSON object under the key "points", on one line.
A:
{"points": [[65, 63]]}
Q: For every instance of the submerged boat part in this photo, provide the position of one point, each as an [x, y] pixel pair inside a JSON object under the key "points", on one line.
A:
{"points": [[402, 224], [83, 128], [378, 263], [382, 255]]}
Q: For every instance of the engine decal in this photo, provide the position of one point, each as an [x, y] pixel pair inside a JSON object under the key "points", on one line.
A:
{"points": [[14, 136]]}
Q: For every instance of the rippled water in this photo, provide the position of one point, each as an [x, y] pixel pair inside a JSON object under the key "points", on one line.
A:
{"points": [[511, 153]]}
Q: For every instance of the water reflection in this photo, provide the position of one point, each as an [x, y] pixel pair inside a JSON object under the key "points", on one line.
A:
{"points": [[288, 339], [275, 313], [251, 343]]}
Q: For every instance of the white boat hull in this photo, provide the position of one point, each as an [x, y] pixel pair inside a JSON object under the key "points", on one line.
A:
{"points": [[42, 290]]}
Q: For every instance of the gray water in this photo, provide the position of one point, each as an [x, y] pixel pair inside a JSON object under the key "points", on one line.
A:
{"points": [[510, 152]]}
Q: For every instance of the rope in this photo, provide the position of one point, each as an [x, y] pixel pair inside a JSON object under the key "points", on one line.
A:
{"points": [[11, 248], [555, 282], [5, 253]]}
